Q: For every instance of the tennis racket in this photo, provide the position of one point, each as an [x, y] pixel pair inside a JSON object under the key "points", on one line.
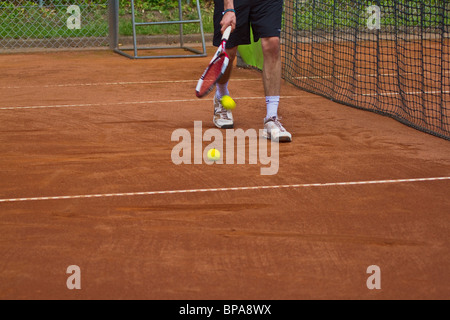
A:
{"points": [[215, 69]]}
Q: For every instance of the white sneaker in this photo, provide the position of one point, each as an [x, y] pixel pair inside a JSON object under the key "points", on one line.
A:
{"points": [[223, 118], [274, 130]]}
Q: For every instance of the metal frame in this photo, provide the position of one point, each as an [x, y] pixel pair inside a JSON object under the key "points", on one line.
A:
{"points": [[115, 34]]}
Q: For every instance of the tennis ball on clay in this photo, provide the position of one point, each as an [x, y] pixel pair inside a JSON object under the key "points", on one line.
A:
{"points": [[228, 102], [213, 154]]}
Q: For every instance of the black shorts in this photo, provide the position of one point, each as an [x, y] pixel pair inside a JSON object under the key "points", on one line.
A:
{"points": [[264, 17]]}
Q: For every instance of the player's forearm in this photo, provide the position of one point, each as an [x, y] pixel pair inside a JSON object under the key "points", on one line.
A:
{"points": [[229, 17], [228, 4]]}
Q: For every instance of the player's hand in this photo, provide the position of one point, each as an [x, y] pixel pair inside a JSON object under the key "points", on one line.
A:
{"points": [[229, 19]]}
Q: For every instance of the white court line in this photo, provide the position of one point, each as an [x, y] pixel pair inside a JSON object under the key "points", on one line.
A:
{"points": [[376, 75], [112, 83], [149, 193], [347, 76], [401, 93], [140, 102], [373, 75], [377, 94]]}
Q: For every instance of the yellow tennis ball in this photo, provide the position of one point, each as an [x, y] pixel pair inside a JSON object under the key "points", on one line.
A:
{"points": [[213, 154], [228, 102]]}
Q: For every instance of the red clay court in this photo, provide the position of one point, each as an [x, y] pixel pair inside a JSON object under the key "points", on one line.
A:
{"points": [[87, 179]]}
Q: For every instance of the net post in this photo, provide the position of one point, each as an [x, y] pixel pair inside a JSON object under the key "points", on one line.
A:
{"points": [[113, 23], [288, 33]]}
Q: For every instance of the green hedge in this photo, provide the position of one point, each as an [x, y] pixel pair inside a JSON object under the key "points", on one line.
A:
{"points": [[328, 14], [26, 19]]}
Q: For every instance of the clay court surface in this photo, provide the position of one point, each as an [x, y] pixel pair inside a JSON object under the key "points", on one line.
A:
{"points": [[87, 179]]}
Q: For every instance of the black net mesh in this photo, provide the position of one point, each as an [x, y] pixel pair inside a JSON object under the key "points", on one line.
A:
{"points": [[390, 57]]}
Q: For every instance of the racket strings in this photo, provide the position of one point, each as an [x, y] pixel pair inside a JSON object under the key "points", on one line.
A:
{"points": [[215, 69], [212, 75]]}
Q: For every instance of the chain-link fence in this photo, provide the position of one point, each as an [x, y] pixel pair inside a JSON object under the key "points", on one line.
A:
{"points": [[53, 24]]}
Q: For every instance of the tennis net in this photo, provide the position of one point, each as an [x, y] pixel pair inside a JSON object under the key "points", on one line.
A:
{"points": [[389, 57]]}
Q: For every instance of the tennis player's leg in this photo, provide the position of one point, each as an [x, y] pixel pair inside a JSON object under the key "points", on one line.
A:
{"points": [[273, 129], [223, 118], [271, 66], [265, 18], [222, 84], [241, 35]]}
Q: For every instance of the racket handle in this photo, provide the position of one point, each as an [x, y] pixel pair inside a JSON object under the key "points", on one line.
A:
{"points": [[226, 33]]}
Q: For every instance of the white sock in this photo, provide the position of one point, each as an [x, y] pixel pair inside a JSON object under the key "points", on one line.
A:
{"points": [[272, 106], [222, 90]]}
